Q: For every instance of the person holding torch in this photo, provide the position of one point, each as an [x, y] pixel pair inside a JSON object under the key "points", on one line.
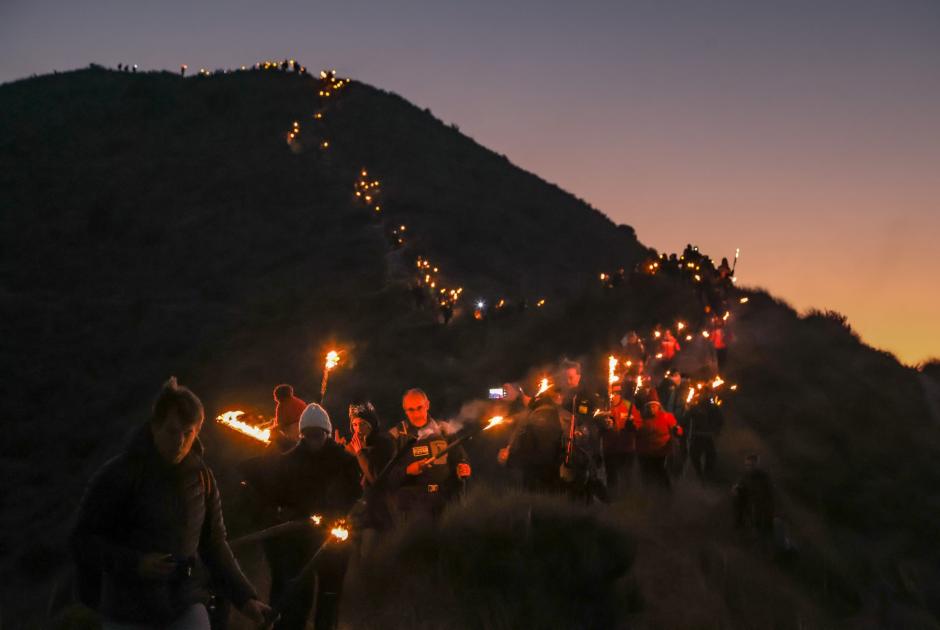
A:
{"points": [[316, 477], [421, 483]]}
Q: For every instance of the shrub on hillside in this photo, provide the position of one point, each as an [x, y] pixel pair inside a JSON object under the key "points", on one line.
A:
{"points": [[498, 561]]}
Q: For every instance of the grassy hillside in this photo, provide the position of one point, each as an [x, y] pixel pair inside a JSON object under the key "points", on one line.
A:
{"points": [[156, 226]]}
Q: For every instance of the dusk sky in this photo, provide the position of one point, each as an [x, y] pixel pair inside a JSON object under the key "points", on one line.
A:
{"points": [[805, 133]]}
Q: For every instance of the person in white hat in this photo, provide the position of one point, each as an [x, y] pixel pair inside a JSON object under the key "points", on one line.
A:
{"points": [[316, 477]]}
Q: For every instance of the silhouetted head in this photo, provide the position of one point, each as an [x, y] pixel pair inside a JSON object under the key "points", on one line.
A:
{"points": [[283, 392], [571, 370], [176, 421]]}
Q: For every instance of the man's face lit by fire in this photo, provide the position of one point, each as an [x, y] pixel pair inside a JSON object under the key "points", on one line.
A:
{"points": [[173, 439], [360, 427], [416, 408], [572, 377]]}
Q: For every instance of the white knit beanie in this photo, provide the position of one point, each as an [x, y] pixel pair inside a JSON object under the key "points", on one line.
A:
{"points": [[316, 416]]}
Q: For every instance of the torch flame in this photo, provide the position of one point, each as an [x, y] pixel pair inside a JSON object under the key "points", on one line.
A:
{"points": [[340, 533], [611, 370], [230, 419], [492, 422], [332, 359], [726, 315], [544, 384], [718, 382], [691, 394], [639, 383], [316, 519], [743, 300]]}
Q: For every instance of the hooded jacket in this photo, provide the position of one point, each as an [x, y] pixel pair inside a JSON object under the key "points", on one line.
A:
{"points": [[136, 504]]}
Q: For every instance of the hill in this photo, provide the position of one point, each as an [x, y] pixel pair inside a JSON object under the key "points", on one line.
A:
{"points": [[156, 225]]}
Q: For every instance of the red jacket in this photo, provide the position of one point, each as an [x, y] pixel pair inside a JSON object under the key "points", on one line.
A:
{"points": [[621, 438], [655, 433], [669, 348], [719, 339]]}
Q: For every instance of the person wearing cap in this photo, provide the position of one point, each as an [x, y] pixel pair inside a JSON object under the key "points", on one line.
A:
{"points": [[620, 436], [420, 484], [287, 417], [372, 448], [149, 534], [316, 477], [536, 444], [654, 438]]}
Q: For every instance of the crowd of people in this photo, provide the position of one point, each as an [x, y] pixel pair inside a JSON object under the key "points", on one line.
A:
{"points": [[150, 540]]}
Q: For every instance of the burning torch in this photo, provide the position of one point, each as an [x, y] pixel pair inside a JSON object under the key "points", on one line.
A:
{"points": [[332, 360], [231, 420], [492, 422], [611, 377]]}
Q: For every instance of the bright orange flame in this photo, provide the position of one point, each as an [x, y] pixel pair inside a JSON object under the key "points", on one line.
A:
{"points": [[639, 383], [332, 359], [659, 355], [544, 384], [680, 325], [718, 382], [340, 533], [492, 422], [705, 334], [691, 394], [726, 315], [231, 420], [657, 334], [611, 370], [744, 300], [316, 519]]}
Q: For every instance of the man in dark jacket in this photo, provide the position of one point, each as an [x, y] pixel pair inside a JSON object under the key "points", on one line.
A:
{"points": [[536, 446], [315, 478], [419, 483], [705, 421], [149, 535], [754, 499]]}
